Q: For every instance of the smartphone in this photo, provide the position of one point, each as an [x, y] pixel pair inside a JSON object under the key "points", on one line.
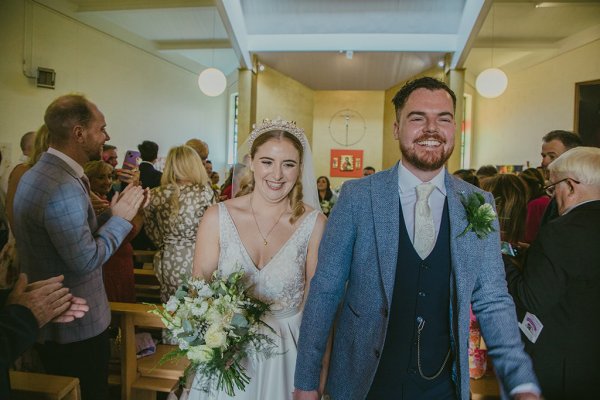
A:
{"points": [[508, 249], [132, 159]]}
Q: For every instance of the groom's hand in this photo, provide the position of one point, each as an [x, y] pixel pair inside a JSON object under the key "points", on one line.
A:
{"points": [[303, 395]]}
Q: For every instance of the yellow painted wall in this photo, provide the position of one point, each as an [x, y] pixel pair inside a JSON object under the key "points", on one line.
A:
{"points": [[391, 147], [142, 96], [541, 98], [277, 95], [369, 104]]}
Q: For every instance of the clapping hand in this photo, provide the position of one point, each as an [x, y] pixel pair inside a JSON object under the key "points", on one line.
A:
{"points": [[127, 203], [48, 300]]}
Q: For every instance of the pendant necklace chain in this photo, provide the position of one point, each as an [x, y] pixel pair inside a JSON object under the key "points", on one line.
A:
{"points": [[264, 237]]}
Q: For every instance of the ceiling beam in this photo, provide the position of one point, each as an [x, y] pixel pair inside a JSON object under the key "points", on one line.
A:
{"points": [[232, 15], [121, 5], [473, 16], [192, 44], [355, 42]]}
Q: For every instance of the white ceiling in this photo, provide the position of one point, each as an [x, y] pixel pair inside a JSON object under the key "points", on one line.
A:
{"points": [[391, 40]]}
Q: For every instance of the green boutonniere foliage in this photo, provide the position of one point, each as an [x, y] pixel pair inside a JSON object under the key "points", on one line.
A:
{"points": [[480, 215]]}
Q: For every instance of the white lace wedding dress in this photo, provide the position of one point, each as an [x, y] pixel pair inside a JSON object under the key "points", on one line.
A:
{"points": [[281, 283]]}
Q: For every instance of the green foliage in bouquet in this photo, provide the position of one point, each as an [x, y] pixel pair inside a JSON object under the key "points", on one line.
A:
{"points": [[216, 325]]}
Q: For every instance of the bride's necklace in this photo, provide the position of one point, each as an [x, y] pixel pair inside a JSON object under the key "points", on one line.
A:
{"points": [[264, 237]]}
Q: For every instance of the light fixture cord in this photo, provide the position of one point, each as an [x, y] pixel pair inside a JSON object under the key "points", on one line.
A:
{"points": [[214, 35], [493, 36]]}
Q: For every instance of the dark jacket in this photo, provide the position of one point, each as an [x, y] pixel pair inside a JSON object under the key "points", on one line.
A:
{"points": [[560, 284], [18, 332]]}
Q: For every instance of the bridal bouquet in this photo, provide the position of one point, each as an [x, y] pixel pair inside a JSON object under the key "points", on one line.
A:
{"points": [[216, 326]]}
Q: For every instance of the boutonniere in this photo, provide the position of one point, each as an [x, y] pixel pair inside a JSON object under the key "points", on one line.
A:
{"points": [[480, 215]]}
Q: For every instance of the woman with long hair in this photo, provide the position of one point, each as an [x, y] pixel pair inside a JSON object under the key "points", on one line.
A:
{"points": [[271, 230], [171, 219], [326, 197]]}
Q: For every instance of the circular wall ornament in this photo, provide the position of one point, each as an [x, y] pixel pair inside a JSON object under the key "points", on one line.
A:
{"points": [[347, 127]]}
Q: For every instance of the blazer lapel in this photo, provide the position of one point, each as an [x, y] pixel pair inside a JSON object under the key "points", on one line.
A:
{"points": [[385, 202]]}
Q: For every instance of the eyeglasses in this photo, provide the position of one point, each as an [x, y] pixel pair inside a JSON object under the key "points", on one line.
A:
{"points": [[552, 186]]}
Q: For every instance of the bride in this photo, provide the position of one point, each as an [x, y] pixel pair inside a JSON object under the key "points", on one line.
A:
{"points": [[272, 232]]}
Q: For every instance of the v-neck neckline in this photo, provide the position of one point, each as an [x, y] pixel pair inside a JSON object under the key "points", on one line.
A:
{"points": [[245, 250]]}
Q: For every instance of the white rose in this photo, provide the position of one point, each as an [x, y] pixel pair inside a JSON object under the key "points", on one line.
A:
{"points": [[171, 305], [200, 353], [215, 337]]}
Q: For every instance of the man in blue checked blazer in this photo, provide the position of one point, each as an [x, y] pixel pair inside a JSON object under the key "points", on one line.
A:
{"points": [[400, 276], [57, 232]]}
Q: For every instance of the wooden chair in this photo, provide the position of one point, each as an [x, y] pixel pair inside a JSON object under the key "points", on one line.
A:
{"points": [[142, 257], [34, 386], [142, 378], [485, 388]]}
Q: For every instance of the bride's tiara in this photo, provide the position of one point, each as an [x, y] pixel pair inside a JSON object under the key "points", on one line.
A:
{"points": [[278, 124]]}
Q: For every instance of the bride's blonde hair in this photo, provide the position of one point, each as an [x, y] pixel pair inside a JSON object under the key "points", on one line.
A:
{"points": [[295, 196]]}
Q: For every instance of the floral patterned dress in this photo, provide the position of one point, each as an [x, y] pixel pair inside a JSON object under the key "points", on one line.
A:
{"points": [[175, 235]]}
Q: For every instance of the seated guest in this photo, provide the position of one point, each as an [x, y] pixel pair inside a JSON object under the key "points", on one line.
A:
{"points": [[560, 284], [326, 196], [467, 175], [537, 203], [172, 218], [117, 272]]}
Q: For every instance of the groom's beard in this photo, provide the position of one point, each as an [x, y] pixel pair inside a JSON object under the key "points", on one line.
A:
{"points": [[427, 160]]}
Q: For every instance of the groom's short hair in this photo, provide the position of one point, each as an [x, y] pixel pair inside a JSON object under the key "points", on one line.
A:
{"points": [[426, 82]]}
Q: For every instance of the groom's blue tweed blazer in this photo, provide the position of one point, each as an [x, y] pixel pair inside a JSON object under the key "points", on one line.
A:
{"points": [[357, 265]]}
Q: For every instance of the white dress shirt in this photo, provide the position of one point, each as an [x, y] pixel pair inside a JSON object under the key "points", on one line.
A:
{"points": [[70, 162]]}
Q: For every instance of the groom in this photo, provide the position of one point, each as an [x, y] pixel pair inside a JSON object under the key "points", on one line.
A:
{"points": [[403, 281]]}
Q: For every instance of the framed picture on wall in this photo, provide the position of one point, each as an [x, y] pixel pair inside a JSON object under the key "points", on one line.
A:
{"points": [[346, 163], [587, 112]]}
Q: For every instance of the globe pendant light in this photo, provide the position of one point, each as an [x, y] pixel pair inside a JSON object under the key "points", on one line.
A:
{"points": [[212, 81], [491, 82]]}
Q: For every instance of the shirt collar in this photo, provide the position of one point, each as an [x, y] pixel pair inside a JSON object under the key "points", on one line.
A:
{"points": [[78, 169], [407, 181]]}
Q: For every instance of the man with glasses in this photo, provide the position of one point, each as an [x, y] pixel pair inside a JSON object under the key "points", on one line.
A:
{"points": [[555, 143], [560, 284]]}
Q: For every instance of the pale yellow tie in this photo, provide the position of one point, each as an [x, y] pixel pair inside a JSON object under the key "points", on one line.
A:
{"points": [[424, 229]]}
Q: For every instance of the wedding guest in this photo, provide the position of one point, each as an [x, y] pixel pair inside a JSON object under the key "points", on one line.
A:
{"points": [[25, 309], [208, 167], [560, 284], [486, 171], [326, 197], [555, 143], [271, 230], [227, 186], [40, 145], [149, 176], [399, 266], [171, 220], [467, 175], [368, 171], [537, 203], [117, 272], [510, 193], [109, 155], [56, 231], [26, 145]]}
